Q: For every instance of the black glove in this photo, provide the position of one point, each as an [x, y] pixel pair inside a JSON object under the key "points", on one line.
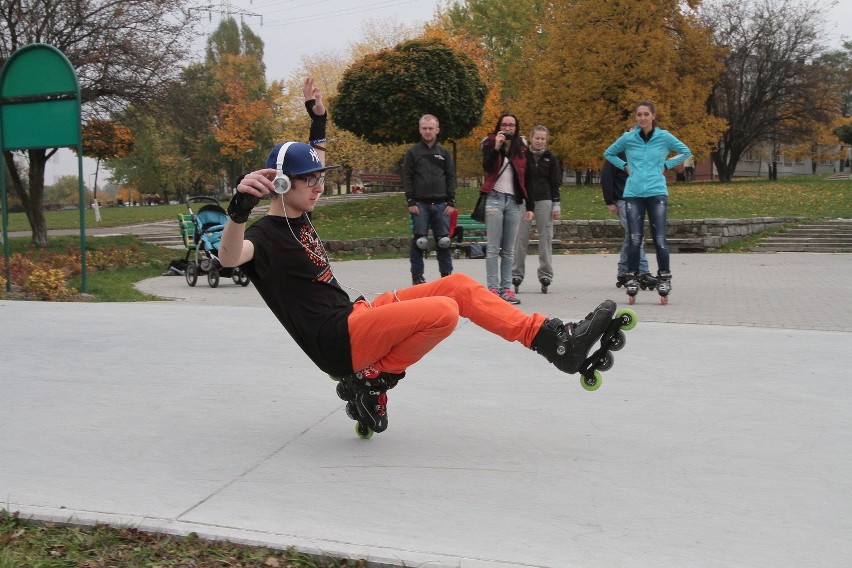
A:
{"points": [[240, 207]]}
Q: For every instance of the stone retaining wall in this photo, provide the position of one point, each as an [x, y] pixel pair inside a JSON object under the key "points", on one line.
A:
{"points": [[689, 235]]}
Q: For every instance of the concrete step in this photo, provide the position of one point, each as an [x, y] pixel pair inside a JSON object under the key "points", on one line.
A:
{"points": [[821, 236], [803, 248]]}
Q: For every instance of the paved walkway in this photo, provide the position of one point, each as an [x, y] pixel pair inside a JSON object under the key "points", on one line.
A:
{"points": [[721, 438]]}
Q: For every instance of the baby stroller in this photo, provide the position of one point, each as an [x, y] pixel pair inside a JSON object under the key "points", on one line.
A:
{"points": [[202, 233]]}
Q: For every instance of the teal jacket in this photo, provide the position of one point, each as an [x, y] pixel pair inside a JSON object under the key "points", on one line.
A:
{"points": [[646, 160]]}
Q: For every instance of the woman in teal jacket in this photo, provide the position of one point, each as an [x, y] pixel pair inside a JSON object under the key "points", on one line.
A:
{"points": [[647, 148]]}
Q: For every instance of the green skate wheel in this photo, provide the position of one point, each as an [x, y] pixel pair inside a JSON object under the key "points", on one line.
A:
{"points": [[628, 318], [363, 432], [592, 383]]}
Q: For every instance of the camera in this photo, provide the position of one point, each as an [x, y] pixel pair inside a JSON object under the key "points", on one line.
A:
{"points": [[508, 135]]}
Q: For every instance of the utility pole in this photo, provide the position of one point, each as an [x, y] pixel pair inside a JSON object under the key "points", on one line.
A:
{"points": [[226, 10]]}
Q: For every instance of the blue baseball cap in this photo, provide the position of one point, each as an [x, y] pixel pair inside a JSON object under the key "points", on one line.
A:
{"points": [[298, 159]]}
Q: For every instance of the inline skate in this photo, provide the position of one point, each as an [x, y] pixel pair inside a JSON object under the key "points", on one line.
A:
{"points": [[647, 281], [664, 285], [365, 393], [632, 286], [567, 345]]}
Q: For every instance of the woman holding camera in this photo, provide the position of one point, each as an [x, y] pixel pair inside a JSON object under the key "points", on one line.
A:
{"points": [[504, 161]]}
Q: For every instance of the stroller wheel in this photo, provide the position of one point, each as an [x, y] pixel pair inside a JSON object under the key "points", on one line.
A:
{"points": [[191, 273], [213, 277]]}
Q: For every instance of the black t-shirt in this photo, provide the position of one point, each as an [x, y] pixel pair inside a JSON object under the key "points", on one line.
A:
{"points": [[293, 276]]}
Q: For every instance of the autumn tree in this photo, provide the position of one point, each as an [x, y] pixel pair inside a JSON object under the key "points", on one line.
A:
{"points": [[843, 132], [355, 154], [217, 117], [244, 120], [821, 146], [499, 28], [773, 88], [468, 155], [838, 66], [142, 170], [382, 96], [105, 140], [588, 63], [122, 52], [66, 191]]}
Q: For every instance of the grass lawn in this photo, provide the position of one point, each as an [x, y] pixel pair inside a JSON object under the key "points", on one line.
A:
{"points": [[24, 544], [798, 196]]}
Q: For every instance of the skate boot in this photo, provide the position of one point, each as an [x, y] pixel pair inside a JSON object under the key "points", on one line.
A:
{"points": [[664, 285], [632, 286], [621, 280], [516, 282], [365, 393], [647, 281], [545, 282], [567, 344]]}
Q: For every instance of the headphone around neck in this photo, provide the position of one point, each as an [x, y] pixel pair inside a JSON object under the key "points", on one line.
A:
{"points": [[281, 183]]}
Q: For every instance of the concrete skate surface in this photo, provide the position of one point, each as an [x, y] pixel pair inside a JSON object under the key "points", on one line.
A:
{"points": [[721, 437]]}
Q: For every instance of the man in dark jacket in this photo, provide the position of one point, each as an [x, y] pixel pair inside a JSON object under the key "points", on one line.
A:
{"points": [[429, 178], [612, 183]]}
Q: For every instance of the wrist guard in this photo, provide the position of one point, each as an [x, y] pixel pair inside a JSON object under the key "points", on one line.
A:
{"points": [[317, 132], [309, 106], [318, 122], [240, 207]]}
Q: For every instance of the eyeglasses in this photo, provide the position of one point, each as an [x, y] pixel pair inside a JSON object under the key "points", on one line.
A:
{"points": [[507, 124], [312, 181]]}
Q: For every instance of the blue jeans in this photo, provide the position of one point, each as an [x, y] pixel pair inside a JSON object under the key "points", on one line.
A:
{"points": [[502, 218], [431, 216], [622, 258], [657, 207]]}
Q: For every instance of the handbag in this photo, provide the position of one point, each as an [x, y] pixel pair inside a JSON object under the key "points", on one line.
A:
{"points": [[478, 214], [476, 250]]}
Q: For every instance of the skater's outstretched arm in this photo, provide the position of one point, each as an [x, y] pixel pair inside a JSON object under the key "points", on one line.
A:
{"points": [[234, 249]]}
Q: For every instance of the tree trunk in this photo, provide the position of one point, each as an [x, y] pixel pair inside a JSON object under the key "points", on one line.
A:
{"points": [[32, 197], [35, 211], [724, 170]]}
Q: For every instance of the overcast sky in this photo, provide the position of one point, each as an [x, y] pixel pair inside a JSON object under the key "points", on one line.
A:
{"points": [[291, 29]]}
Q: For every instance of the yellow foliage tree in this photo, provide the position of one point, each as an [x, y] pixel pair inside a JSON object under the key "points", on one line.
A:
{"points": [[823, 146], [468, 153], [244, 115], [344, 148], [585, 68], [105, 140]]}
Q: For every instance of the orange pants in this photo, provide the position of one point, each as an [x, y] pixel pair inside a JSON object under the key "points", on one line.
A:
{"points": [[398, 328]]}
